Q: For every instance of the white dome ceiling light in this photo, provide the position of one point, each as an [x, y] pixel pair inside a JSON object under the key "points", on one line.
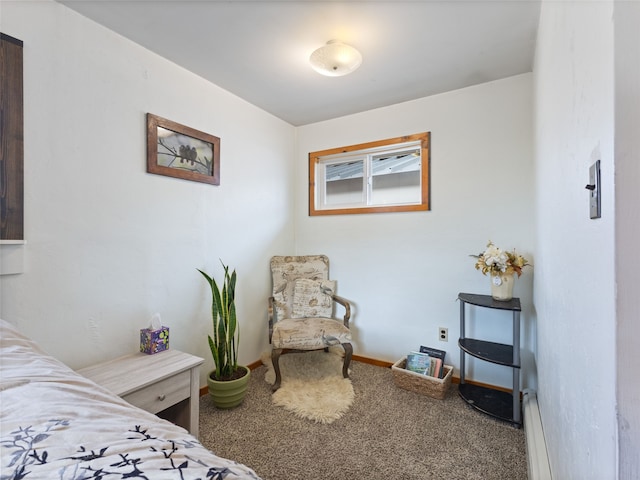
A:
{"points": [[335, 59]]}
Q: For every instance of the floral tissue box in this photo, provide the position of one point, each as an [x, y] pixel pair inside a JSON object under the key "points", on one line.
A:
{"points": [[154, 341]]}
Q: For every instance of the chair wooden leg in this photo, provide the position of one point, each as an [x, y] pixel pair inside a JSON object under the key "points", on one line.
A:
{"points": [[275, 360], [348, 352]]}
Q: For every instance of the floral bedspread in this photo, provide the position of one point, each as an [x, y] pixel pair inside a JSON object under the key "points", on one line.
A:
{"points": [[56, 424]]}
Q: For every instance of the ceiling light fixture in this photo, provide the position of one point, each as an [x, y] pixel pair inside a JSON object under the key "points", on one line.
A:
{"points": [[335, 59]]}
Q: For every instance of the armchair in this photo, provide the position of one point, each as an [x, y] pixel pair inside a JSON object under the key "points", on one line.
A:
{"points": [[301, 310]]}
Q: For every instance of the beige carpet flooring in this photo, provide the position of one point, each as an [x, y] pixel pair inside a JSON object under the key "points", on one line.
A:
{"points": [[387, 434]]}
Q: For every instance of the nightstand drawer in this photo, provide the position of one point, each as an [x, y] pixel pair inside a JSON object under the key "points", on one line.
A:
{"points": [[158, 396], [154, 383]]}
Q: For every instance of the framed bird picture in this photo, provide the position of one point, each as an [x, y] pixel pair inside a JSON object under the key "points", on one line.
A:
{"points": [[175, 150]]}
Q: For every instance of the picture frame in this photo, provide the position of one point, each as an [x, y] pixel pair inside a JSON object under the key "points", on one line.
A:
{"points": [[175, 150]]}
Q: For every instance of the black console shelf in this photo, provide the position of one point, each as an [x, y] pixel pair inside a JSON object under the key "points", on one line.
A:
{"points": [[489, 302], [491, 352], [503, 405], [489, 401]]}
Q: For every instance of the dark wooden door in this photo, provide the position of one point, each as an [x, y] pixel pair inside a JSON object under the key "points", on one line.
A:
{"points": [[11, 140]]}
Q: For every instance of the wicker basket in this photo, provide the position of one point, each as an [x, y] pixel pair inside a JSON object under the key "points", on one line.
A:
{"points": [[418, 383]]}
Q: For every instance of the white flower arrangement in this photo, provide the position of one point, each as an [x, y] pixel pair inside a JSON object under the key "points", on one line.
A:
{"points": [[496, 261]]}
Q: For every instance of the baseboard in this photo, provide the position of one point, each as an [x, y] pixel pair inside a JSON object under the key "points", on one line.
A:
{"points": [[254, 365], [537, 456], [378, 363], [372, 361]]}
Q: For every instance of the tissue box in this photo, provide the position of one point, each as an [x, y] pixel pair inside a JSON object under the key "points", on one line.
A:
{"points": [[154, 341]]}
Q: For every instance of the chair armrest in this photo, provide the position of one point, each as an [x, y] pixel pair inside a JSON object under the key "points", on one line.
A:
{"points": [[347, 308], [270, 311]]}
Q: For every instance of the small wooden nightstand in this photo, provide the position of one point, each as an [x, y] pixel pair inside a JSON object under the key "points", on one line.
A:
{"points": [[165, 383]]}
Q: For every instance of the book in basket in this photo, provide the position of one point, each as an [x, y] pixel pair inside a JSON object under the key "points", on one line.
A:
{"points": [[418, 362], [435, 353], [424, 364]]}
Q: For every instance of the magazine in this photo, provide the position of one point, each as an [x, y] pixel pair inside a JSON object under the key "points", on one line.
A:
{"points": [[435, 353], [418, 362], [424, 364]]}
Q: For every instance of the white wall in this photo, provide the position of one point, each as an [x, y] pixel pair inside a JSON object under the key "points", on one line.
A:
{"points": [[108, 243], [575, 281], [627, 179], [403, 271]]}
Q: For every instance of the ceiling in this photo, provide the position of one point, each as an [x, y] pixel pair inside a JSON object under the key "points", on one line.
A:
{"points": [[259, 50]]}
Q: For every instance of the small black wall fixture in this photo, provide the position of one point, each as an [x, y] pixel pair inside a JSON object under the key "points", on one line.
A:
{"points": [[594, 190]]}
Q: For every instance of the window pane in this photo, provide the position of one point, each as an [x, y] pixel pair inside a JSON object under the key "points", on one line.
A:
{"points": [[344, 183], [396, 179], [389, 175]]}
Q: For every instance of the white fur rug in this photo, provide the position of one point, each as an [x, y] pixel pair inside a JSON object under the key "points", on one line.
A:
{"points": [[312, 384]]}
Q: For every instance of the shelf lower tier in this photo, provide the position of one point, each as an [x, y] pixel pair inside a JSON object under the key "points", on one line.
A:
{"points": [[490, 351], [495, 403]]}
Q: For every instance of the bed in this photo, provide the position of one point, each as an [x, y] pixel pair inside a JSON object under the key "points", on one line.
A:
{"points": [[56, 424]]}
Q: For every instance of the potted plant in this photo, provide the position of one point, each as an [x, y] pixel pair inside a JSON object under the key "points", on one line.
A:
{"points": [[501, 265], [228, 382]]}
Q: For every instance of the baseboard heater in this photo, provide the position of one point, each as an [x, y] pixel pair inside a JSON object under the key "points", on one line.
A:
{"points": [[537, 457]]}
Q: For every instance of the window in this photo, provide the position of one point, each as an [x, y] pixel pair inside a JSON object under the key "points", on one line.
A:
{"points": [[384, 176]]}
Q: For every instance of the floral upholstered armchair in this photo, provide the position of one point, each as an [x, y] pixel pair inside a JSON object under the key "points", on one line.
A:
{"points": [[301, 310]]}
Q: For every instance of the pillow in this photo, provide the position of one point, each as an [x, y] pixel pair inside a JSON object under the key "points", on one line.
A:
{"points": [[312, 298], [285, 270]]}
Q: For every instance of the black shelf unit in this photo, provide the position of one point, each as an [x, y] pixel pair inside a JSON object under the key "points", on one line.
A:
{"points": [[503, 405]]}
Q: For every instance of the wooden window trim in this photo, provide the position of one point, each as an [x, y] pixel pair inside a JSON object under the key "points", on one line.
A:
{"points": [[314, 159]]}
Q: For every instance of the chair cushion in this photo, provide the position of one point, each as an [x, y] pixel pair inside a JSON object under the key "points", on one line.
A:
{"points": [[312, 298], [285, 270], [309, 333]]}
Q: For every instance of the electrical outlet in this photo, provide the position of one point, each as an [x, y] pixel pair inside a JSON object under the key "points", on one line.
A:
{"points": [[443, 334]]}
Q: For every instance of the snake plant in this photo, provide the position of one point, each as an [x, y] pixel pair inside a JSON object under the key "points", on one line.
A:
{"points": [[226, 334]]}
